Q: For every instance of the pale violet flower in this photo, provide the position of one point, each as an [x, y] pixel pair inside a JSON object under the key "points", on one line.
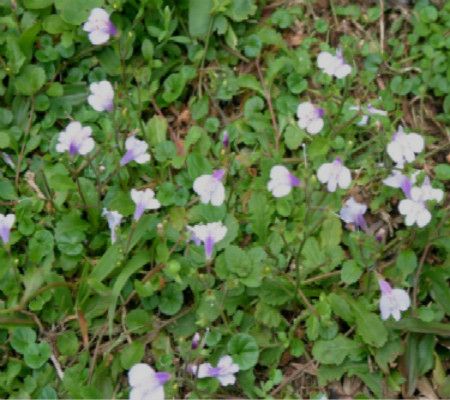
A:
{"points": [[310, 117], [281, 181], [75, 139], [195, 341], [144, 200], [8, 160], [414, 208], [102, 96], [208, 234], [352, 213], [398, 180], [6, 223], [224, 371], [210, 188], [430, 193], [404, 147], [146, 384], [335, 174], [136, 151], [392, 301], [333, 65], [225, 139], [114, 219], [99, 26], [371, 110]]}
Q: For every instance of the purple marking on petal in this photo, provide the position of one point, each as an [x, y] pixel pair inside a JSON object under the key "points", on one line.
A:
{"points": [[162, 377], [128, 157], [338, 160], [219, 174], [4, 233], [294, 181], [140, 208], [214, 372], [112, 30], [385, 287], [209, 245], [361, 222], [110, 106], [73, 148], [406, 186], [226, 139], [320, 112]]}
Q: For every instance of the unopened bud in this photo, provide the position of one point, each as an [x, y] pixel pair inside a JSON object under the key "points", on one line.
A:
{"points": [[102, 168], [225, 139], [195, 341], [380, 235]]}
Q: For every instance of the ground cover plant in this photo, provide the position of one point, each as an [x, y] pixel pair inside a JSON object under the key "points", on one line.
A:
{"points": [[224, 199]]}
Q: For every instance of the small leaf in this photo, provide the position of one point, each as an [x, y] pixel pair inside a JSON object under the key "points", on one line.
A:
{"points": [[335, 351], [244, 350], [30, 80], [132, 354]]}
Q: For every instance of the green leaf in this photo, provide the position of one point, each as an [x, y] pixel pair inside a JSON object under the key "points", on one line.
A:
{"points": [[30, 80], [171, 299], [406, 264], [240, 10], [268, 315], [37, 355], [331, 232], [40, 245], [22, 338], [7, 191], [173, 87], [244, 350], [133, 353], [417, 325], [54, 24], [70, 242], [442, 171], [68, 343], [351, 272], [137, 321], [411, 361], [36, 4], [109, 61], [440, 290], [199, 17], [335, 351], [197, 165], [276, 291], [293, 137], [260, 214], [76, 12]]}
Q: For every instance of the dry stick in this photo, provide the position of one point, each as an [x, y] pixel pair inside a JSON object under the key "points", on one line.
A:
{"points": [[88, 161], [422, 260], [323, 276], [22, 150], [291, 378], [176, 140], [382, 26], [269, 102]]}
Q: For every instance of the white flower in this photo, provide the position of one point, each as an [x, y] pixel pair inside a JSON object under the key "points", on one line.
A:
{"points": [[392, 301], [224, 371], [210, 188], [75, 139], [398, 180], [429, 193], [209, 234], [99, 26], [310, 117], [136, 151], [146, 383], [415, 209], [404, 147], [281, 181], [114, 219], [102, 96], [6, 223], [371, 110], [144, 200], [333, 65], [335, 174], [352, 213]]}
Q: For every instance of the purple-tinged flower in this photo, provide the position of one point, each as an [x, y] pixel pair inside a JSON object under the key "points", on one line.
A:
{"points": [[392, 301], [99, 26], [415, 209], [208, 234], [144, 200], [281, 181], [335, 174], [195, 341], [136, 151], [114, 219], [146, 384], [333, 65], [371, 110], [8, 160], [352, 213], [210, 188], [404, 147], [380, 235], [225, 139], [224, 371], [310, 117], [75, 139], [430, 193], [6, 223], [102, 96], [398, 180]]}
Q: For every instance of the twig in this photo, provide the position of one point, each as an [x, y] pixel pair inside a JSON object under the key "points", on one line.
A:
{"points": [[290, 378], [302, 295]]}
